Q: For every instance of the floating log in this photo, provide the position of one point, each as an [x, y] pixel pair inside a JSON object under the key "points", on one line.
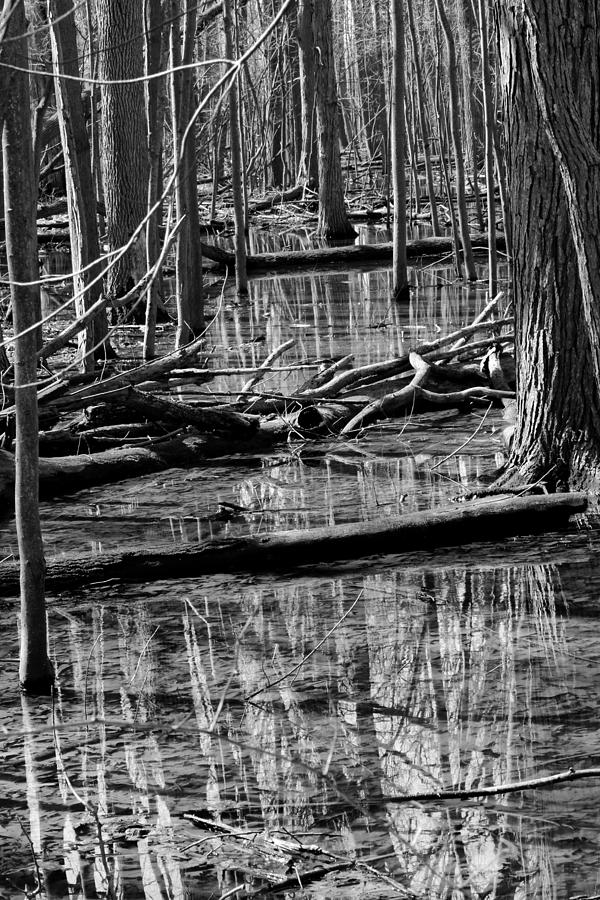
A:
{"points": [[354, 254], [478, 520]]}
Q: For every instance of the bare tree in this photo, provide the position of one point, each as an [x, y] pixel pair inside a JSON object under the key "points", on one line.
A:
{"points": [[20, 196], [316, 49], [81, 197], [455, 131], [237, 169], [399, 268]]}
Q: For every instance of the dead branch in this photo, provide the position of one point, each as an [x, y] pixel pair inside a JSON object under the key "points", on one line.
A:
{"points": [[511, 787]]}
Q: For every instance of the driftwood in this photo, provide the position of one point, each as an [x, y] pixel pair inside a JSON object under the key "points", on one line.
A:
{"points": [[448, 526], [354, 254]]}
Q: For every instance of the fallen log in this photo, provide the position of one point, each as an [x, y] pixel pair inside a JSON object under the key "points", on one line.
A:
{"points": [[354, 254], [66, 474], [444, 527], [394, 403], [68, 441], [276, 199], [431, 351], [210, 418]]}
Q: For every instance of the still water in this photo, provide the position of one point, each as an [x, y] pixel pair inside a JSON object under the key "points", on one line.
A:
{"points": [[214, 736]]}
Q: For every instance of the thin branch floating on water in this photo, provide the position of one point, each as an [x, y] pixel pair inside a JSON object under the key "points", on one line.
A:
{"points": [[511, 787]]}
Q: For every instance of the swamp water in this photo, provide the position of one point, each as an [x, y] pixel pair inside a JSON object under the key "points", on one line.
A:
{"points": [[230, 731]]}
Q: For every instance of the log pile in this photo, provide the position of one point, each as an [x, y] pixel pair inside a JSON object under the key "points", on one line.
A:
{"points": [[104, 429]]}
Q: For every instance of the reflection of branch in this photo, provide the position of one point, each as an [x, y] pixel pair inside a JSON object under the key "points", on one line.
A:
{"points": [[88, 806], [512, 787], [38, 875], [295, 668]]}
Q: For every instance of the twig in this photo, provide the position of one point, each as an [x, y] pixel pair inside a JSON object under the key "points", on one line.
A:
{"points": [[457, 450], [295, 668], [260, 372], [38, 875], [483, 315], [511, 787]]}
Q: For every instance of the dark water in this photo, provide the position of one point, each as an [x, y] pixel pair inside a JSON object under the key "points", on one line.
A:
{"points": [[293, 708]]}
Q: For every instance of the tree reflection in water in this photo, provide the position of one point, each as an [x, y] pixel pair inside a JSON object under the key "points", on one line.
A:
{"points": [[198, 699]]}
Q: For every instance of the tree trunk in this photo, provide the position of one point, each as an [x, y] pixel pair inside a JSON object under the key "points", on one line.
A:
{"points": [[237, 169], [81, 196], [309, 165], [188, 258], [423, 119], [550, 81], [400, 291], [155, 116], [489, 114], [123, 139], [333, 219], [463, 218], [20, 196]]}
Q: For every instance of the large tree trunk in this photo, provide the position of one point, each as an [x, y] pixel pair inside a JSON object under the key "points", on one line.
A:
{"points": [[550, 81], [20, 195], [123, 139]]}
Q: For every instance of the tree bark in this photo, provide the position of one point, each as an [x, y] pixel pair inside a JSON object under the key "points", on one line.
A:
{"points": [[20, 195], [550, 82]]}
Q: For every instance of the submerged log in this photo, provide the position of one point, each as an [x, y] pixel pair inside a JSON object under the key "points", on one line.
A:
{"points": [[478, 520], [354, 254]]}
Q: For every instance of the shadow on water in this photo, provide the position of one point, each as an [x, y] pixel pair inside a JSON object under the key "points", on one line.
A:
{"points": [[290, 709]]}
